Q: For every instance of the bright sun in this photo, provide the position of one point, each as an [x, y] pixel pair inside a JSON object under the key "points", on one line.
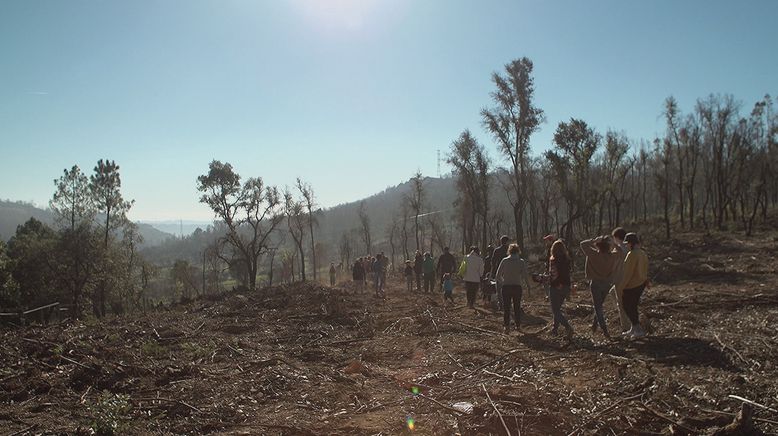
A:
{"points": [[336, 14]]}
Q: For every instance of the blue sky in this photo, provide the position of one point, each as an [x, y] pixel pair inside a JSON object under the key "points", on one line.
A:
{"points": [[351, 95]]}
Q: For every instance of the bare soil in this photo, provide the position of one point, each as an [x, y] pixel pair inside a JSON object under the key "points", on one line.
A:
{"points": [[307, 359]]}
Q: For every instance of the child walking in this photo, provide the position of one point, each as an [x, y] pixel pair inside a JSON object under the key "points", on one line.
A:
{"points": [[448, 288]]}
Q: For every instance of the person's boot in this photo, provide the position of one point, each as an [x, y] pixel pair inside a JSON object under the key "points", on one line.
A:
{"points": [[638, 332]]}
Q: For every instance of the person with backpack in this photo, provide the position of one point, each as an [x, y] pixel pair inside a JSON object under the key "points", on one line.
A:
{"points": [[428, 271], [559, 271], [633, 283], [511, 275], [474, 267], [600, 266], [446, 264]]}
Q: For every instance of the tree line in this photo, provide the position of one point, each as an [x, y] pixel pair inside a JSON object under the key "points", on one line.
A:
{"points": [[88, 258], [713, 168]]}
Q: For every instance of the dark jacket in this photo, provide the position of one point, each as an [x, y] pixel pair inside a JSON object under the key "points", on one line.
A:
{"points": [[417, 263], [498, 255], [446, 263], [358, 271]]}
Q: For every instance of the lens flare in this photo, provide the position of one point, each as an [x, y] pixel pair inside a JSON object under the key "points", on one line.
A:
{"points": [[410, 423], [415, 390]]}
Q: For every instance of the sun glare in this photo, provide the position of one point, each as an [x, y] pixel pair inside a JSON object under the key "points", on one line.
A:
{"points": [[336, 14]]}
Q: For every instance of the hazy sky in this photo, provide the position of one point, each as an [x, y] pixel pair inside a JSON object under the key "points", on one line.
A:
{"points": [[351, 95]]}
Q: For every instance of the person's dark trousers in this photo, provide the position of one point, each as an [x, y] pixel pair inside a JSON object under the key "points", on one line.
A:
{"points": [[511, 293], [557, 297], [600, 290], [631, 298], [418, 282], [472, 289], [429, 283]]}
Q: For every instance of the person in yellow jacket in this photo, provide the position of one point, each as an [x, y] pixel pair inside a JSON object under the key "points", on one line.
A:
{"points": [[633, 282]]}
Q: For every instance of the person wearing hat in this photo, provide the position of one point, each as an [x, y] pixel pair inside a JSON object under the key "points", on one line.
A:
{"points": [[498, 255], [633, 282]]}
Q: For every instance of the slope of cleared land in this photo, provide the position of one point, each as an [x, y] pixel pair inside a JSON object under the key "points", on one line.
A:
{"points": [[305, 359]]}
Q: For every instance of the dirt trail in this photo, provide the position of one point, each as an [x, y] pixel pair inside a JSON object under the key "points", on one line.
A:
{"points": [[305, 359]]}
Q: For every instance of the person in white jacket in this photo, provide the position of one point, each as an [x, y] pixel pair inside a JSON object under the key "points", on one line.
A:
{"points": [[474, 267]]}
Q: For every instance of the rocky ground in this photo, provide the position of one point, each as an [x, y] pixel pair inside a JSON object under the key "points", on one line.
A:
{"points": [[307, 359]]}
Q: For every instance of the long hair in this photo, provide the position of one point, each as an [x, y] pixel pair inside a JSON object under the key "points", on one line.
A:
{"points": [[559, 251]]}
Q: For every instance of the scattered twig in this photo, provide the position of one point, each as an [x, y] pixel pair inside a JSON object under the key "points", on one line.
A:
{"points": [[728, 347], [21, 432], [666, 418], [719, 412], [479, 329], [83, 397], [510, 379], [434, 324], [451, 409], [494, 406], [753, 403], [493, 361], [607, 409], [348, 341], [169, 400], [270, 361], [77, 363]]}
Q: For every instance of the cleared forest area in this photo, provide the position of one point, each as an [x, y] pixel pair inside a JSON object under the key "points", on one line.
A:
{"points": [[307, 359]]}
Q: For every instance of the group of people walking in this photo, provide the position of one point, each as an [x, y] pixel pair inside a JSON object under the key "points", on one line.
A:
{"points": [[371, 268], [615, 264]]}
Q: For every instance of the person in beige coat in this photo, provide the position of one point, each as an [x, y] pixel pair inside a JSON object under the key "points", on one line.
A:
{"points": [[621, 250], [600, 265]]}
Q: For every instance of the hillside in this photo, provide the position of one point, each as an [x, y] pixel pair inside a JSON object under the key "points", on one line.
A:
{"points": [[15, 213], [309, 360]]}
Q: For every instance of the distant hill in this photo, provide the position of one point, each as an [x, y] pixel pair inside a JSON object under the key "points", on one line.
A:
{"points": [[178, 228], [15, 213], [333, 222]]}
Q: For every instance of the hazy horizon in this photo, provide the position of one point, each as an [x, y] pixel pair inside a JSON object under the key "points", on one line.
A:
{"points": [[353, 96]]}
